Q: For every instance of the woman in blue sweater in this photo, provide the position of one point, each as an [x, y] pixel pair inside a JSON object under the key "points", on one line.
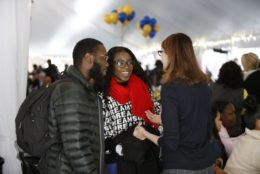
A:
{"points": [[186, 115]]}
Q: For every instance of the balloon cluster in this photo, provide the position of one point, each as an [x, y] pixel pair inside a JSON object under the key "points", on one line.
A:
{"points": [[124, 14], [149, 26]]}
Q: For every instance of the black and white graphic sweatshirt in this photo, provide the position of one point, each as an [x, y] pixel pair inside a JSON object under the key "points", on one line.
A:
{"points": [[118, 117]]}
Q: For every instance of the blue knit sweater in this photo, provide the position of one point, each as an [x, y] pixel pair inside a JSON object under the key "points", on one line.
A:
{"points": [[187, 122]]}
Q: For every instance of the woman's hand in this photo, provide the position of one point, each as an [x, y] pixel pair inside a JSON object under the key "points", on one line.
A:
{"points": [[142, 134], [218, 170], [139, 132], [218, 166], [153, 117], [218, 121]]}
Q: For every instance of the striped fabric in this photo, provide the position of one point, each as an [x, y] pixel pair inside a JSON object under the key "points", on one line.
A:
{"points": [[208, 170]]}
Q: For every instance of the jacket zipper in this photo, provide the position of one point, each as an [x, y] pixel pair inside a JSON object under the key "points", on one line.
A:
{"points": [[101, 139]]}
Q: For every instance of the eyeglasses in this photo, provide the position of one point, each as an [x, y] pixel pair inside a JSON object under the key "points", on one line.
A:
{"points": [[160, 52], [103, 57], [121, 63]]}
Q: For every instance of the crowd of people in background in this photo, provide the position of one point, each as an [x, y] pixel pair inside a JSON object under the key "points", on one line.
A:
{"points": [[206, 126], [42, 77]]}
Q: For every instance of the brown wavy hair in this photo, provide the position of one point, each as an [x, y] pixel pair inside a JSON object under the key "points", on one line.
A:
{"points": [[182, 63]]}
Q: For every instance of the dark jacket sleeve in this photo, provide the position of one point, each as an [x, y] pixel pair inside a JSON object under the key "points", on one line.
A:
{"points": [[73, 120], [211, 120], [135, 150], [170, 119]]}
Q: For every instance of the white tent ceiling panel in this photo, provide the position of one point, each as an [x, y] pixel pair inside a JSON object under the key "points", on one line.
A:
{"points": [[58, 25]]}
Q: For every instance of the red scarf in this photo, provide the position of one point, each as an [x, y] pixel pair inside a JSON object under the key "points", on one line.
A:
{"points": [[137, 92]]}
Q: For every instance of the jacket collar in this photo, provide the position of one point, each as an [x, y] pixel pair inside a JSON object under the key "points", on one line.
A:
{"points": [[253, 133], [75, 74], [248, 73]]}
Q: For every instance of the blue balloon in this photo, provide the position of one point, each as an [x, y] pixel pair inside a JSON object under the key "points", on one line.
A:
{"points": [[153, 22], [152, 34], [147, 20], [122, 17], [142, 23], [131, 16]]}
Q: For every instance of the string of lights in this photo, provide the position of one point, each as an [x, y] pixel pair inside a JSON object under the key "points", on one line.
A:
{"points": [[230, 41]]}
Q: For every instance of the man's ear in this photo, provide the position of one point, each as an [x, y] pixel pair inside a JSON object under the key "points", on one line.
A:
{"points": [[88, 58]]}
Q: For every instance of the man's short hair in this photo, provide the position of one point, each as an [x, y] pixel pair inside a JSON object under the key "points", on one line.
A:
{"points": [[52, 73], [84, 46]]}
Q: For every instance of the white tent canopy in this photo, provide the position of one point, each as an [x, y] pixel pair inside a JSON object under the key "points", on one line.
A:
{"points": [[56, 25]]}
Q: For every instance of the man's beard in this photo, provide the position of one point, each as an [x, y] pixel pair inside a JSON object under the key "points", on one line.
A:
{"points": [[99, 80]]}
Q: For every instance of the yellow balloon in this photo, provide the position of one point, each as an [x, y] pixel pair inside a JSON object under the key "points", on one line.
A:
{"points": [[147, 28], [125, 23], [120, 9], [145, 34], [156, 28], [128, 9], [114, 17], [107, 19]]}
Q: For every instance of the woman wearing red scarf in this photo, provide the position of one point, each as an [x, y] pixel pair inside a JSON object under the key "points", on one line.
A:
{"points": [[125, 99]]}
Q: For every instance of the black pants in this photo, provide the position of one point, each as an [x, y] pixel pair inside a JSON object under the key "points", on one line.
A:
{"points": [[29, 164]]}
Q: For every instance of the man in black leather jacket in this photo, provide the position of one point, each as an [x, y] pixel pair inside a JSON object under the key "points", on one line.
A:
{"points": [[76, 118]]}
